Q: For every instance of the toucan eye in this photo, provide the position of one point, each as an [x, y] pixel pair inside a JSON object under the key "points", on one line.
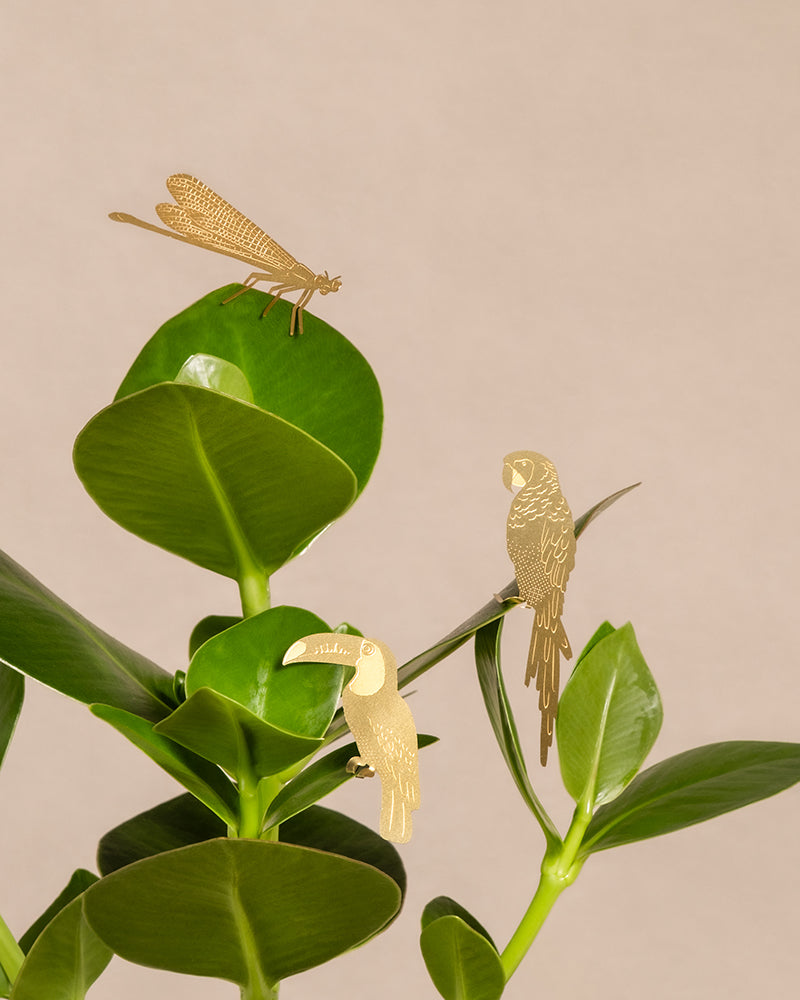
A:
{"points": [[367, 647]]}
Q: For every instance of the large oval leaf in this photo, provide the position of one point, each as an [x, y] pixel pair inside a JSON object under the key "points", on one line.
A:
{"points": [[608, 718], [244, 663], [319, 382], [460, 956], [182, 821], [43, 637], [244, 910], [211, 478], [692, 787]]}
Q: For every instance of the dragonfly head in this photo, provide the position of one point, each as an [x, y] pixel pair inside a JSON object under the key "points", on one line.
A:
{"points": [[327, 284]]}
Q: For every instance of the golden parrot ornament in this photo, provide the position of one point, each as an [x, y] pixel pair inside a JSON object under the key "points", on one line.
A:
{"points": [[540, 535], [379, 719]]}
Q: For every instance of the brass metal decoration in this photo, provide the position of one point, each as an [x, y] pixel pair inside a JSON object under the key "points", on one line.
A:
{"points": [[200, 217], [379, 719], [540, 536]]}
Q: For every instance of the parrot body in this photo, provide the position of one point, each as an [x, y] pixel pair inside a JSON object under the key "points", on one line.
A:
{"points": [[541, 544]]}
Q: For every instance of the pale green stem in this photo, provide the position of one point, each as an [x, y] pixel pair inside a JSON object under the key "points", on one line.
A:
{"points": [[250, 814], [559, 871], [254, 592], [11, 955], [258, 992]]}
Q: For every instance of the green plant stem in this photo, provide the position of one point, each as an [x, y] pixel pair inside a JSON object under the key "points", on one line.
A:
{"points": [[254, 592], [559, 871], [250, 814], [257, 992], [11, 955]]}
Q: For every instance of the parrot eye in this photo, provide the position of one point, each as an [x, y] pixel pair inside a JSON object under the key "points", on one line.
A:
{"points": [[367, 647]]}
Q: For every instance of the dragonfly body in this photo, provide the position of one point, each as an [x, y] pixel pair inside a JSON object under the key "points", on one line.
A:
{"points": [[200, 217]]}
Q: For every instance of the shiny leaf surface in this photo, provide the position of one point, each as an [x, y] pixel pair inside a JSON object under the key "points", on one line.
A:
{"points": [[211, 478], [46, 639], [244, 663], [608, 718], [692, 787], [247, 911], [318, 381]]}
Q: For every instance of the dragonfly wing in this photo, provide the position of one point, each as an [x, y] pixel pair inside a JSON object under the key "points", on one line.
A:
{"points": [[202, 215]]}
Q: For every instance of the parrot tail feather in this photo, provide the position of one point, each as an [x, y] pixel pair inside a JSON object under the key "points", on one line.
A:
{"points": [[548, 641]]}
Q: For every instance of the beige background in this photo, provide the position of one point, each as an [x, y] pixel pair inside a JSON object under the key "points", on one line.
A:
{"points": [[564, 226]]}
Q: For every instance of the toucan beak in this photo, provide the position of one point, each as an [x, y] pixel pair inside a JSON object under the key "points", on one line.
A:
{"points": [[325, 647]]}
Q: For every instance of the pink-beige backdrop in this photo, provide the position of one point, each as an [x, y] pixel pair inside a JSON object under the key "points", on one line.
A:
{"points": [[572, 227]]}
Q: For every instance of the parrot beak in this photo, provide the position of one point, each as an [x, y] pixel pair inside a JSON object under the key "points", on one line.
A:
{"points": [[325, 647]]}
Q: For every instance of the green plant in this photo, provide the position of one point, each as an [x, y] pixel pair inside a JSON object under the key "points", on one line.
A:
{"points": [[233, 445]]}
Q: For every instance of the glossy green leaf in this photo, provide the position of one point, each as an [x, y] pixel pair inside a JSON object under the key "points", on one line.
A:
{"points": [[608, 719], [444, 906], [208, 627], [318, 780], [78, 883], [64, 961], [12, 694], [498, 708], [211, 372], [318, 381], [210, 478], [491, 611], [203, 779], [182, 821], [248, 911], [5, 985], [43, 637], [244, 663], [327, 830], [175, 823], [223, 731], [461, 958], [692, 787]]}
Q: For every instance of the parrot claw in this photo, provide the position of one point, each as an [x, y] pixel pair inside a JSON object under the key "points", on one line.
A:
{"points": [[360, 768]]}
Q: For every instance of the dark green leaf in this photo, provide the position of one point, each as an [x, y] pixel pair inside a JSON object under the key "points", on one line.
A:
{"points": [[444, 906], [498, 708], [43, 637], [64, 961], [245, 663], [316, 781], [210, 478], [608, 719], [178, 822], [692, 787], [222, 731], [586, 519], [203, 779], [80, 881], [327, 830], [208, 627], [460, 956], [215, 373], [319, 382], [244, 910], [12, 693]]}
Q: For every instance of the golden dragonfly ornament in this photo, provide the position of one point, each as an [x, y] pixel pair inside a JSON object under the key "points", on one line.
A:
{"points": [[200, 217]]}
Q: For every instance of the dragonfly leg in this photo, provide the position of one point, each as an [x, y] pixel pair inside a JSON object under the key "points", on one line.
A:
{"points": [[299, 306], [246, 284]]}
